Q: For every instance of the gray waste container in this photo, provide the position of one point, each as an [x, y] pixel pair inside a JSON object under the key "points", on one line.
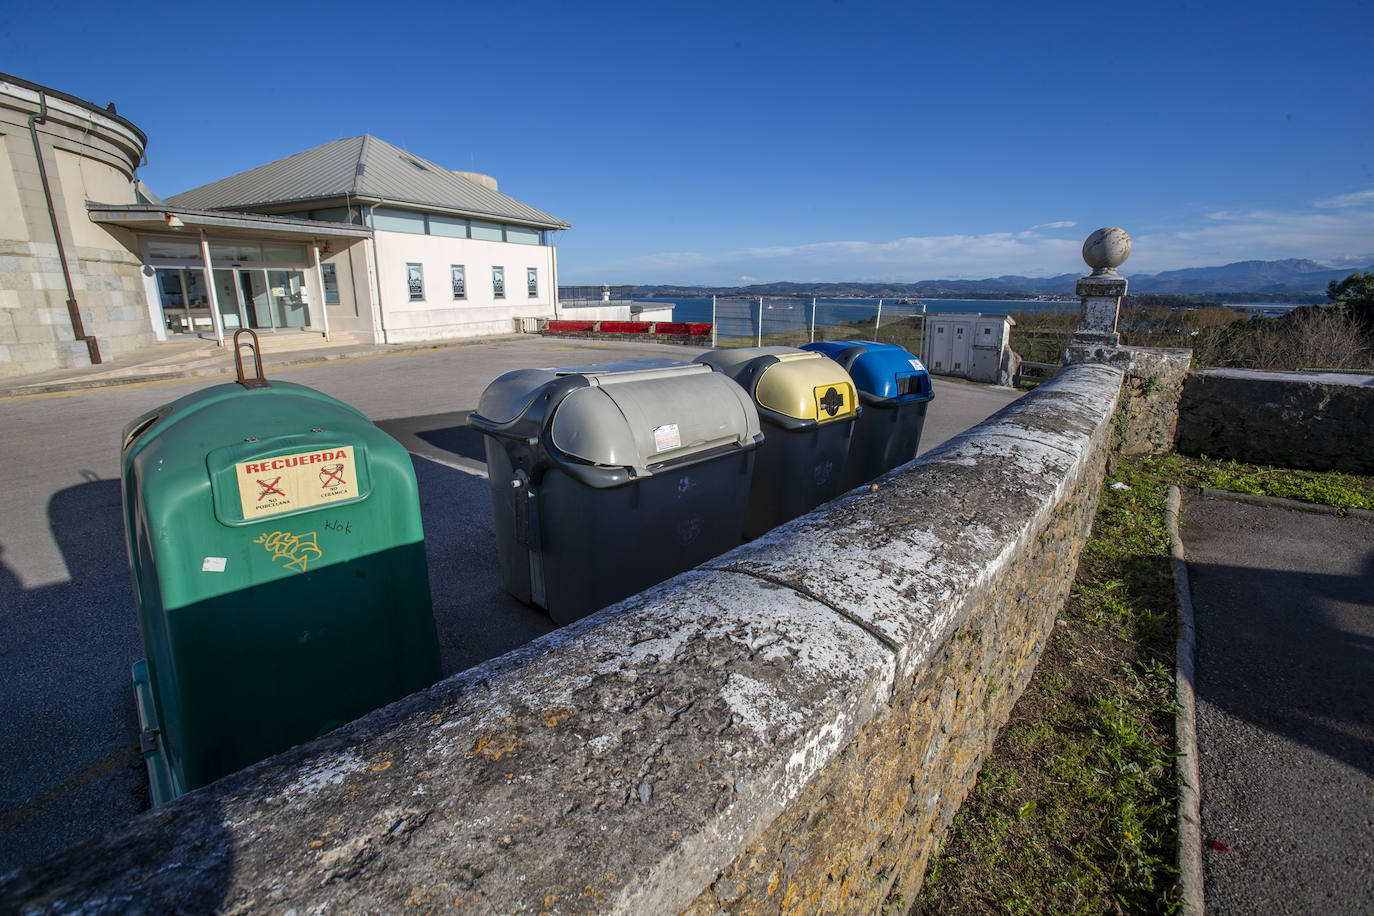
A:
{"points": [[807, 405], [607, 479]]}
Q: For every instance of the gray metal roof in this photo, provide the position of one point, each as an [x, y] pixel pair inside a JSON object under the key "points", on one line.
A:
{"points": [[146, 217], [360, 167]]}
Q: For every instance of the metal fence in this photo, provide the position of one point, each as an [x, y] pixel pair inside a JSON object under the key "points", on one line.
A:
{"points": [[575, 296], [760, 321]]}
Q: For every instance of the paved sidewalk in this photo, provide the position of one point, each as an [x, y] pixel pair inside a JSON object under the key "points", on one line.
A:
{"points": [[1284, 600], [191, 357]]}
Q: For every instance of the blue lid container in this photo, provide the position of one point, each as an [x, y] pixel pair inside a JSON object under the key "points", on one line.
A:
{"points": [[883, 373]]}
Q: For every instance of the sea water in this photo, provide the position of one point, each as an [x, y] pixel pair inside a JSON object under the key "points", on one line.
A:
{"points": [[796, 313]]}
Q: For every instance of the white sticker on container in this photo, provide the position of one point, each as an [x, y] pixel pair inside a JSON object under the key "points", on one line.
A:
{"points": [[214, 564], [916, 364], [666, 437]]}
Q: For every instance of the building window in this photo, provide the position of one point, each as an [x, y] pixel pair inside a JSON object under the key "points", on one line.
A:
{"points": [[415, 280], [460, 283], [522, 236], [532, 279], [330, 278], [398, 220], [487, 232], [498, 282], [448, 226]]}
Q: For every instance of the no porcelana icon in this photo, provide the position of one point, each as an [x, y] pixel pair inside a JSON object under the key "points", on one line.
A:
{"points": [[269, 489]]}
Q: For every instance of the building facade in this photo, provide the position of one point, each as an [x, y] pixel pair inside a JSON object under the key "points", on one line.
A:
{"points": [[71, 291], [354, 237]]}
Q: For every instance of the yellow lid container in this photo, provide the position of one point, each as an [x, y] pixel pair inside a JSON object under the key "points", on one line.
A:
{"points": [[806, 386], [793, 388]]}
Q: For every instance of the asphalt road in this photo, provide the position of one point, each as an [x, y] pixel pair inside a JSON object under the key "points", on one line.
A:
{"points": [[68, 624], [1284, 604]]}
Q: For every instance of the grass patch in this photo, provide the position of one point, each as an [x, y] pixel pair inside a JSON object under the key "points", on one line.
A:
{"points": [[1075, 810], [1343, 491]]}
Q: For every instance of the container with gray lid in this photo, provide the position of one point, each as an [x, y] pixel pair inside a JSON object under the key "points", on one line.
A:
{"points": [[607, 479]]}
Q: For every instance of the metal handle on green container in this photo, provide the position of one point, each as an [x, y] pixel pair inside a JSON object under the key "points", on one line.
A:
{"points": [[259, 380]]}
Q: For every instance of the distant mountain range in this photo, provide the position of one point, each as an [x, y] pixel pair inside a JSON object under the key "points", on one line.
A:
{"points": [[1292, 278]]}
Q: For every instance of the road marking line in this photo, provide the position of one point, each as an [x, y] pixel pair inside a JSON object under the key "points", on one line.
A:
{"points": [[41, 394], [125, 755]]}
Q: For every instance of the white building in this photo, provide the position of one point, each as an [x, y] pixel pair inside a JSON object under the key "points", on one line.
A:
{"points": [[438, 253], [356, 236], [970, 345]]}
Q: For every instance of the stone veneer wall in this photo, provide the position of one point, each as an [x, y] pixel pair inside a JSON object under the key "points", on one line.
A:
{"points": [[1147, 417], [1318, 421], [87, 153], [786, 729]]}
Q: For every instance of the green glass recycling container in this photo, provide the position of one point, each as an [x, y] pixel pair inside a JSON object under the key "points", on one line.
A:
{"points": [[278, 557]]}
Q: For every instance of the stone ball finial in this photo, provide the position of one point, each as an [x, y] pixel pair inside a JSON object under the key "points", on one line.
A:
{"points": [[1106, 250]]}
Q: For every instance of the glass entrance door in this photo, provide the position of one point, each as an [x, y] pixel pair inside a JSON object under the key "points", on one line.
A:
{"points": [[185, 304], [288, 298], [256, 302], [227, 294]]}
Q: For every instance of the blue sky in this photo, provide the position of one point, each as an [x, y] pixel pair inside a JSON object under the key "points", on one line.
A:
{"points": [[727, 143]]}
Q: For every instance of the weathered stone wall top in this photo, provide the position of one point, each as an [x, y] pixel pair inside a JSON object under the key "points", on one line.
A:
{"points": [[1353, 379], [622, 763]]}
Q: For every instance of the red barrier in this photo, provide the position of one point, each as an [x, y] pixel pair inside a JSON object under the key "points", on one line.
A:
{"points": [[667, 328]]}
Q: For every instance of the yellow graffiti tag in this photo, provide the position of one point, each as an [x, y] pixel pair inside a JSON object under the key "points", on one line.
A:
{"points": [[296, 549]]}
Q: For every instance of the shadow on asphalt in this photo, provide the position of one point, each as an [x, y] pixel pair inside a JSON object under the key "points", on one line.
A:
{"points": [[443, 438], [68, 723], [477, 620], [1321, 692], [459, 440]]}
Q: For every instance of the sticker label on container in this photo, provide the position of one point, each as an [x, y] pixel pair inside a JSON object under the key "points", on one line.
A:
{"points": [[666, 437], [916, 364], [303, 480], [214, 564]]}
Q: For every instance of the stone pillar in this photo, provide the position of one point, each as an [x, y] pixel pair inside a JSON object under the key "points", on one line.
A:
{"points": [[1104, 251], [1147, 413]]}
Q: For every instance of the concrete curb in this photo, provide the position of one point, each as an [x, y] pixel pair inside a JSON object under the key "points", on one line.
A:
{"points": [[1279, 502], [1190, 873], [222, 363]]}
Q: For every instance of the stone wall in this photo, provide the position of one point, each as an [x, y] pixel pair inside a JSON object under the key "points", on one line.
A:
{"points": [[87, 154], [786, 729], [1318, 421], [1147, 416]]}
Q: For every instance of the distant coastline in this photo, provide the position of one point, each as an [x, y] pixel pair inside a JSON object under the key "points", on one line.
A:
{"points": [[840, 310], [1250, 282]]}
